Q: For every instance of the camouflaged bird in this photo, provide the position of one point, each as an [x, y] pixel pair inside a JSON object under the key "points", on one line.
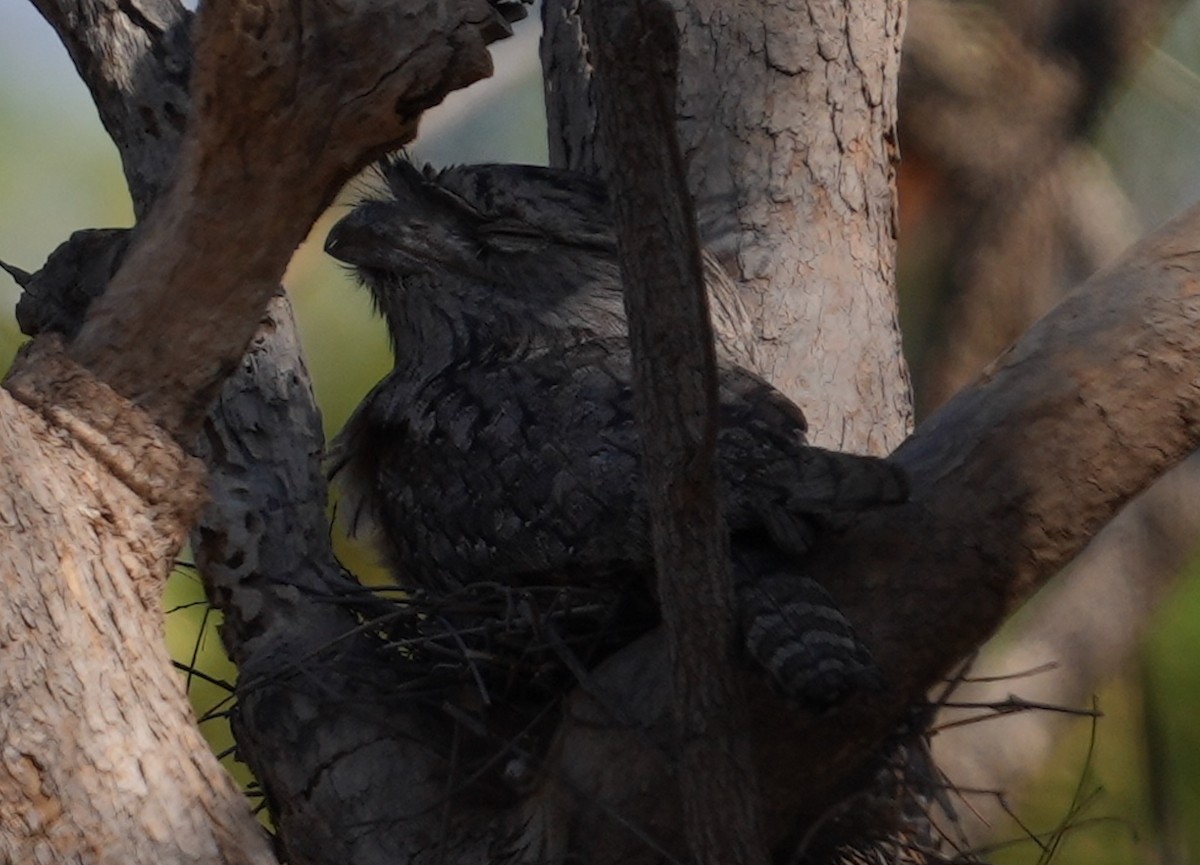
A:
{"points": [[503, 445]]}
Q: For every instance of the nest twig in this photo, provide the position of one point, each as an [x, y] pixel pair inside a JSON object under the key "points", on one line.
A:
{"points": [[510, 645]]}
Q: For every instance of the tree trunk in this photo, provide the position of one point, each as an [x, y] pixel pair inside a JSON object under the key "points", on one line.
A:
{"points": [[675, 387], [787, 118], [1010, 480], [102, 758]]}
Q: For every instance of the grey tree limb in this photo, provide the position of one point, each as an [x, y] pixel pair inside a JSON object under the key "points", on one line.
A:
{"points": [[311, 718]]}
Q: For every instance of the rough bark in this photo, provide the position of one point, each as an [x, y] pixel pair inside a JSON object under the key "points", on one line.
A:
{"points": [[102, 759], [278, 91], [1010, 481], [100, 496], [790, 145], [570, 96], [312, 719], [675, 386]]}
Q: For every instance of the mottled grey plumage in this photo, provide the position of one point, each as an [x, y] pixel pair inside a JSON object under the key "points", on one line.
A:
{"points": [[503, 445], [57, 297]]}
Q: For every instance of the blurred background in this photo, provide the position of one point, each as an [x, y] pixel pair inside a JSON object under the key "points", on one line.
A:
{"points": [[1039, 139]]}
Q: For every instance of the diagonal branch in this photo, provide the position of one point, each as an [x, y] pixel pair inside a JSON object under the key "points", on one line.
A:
{"points": [[132, 501], [1018, 472], [282, 116], [1010, 480]]}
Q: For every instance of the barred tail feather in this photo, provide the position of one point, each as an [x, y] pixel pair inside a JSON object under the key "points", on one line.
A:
{"points": [[793, 628]]}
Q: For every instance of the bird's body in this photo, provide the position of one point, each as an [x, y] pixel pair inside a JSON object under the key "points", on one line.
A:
{"points": [[503, 446]]}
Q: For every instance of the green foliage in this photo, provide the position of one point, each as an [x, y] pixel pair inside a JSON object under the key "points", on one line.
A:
{"points": [[1086, 806], [1137, 772], [1172, 735], [207, 672]]}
